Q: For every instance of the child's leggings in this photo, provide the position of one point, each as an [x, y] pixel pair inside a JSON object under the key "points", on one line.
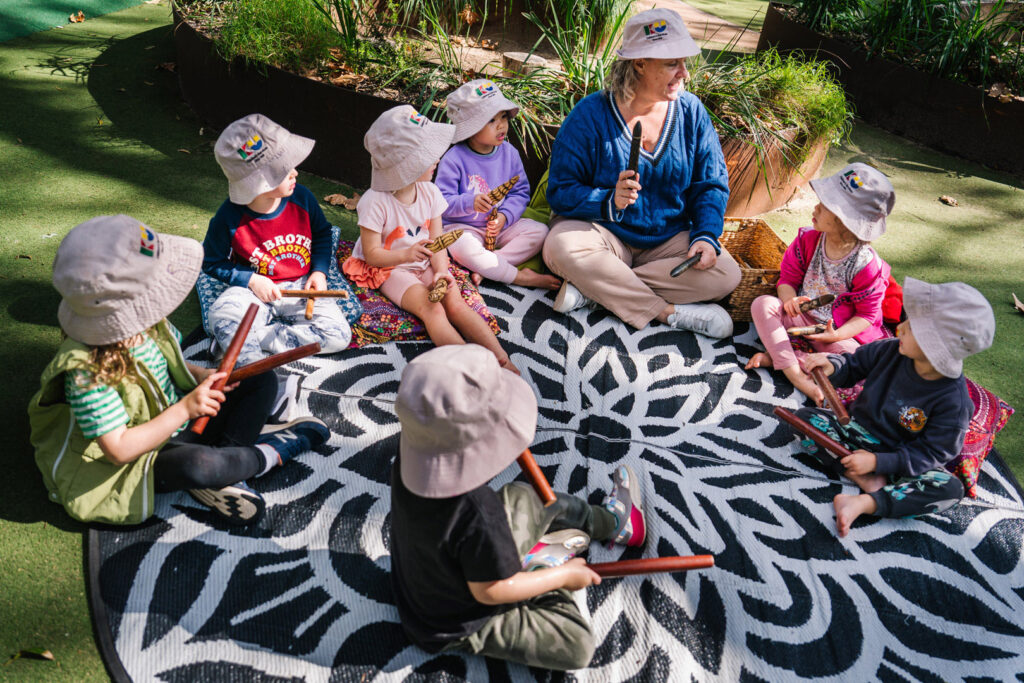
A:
{"points": [[771, 321], [908, 496], [224, 453], [280, 325], [547, 631], [515, 244]]}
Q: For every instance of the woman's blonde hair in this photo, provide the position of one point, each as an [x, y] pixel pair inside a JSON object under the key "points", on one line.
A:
{"points": [[622, 79]]}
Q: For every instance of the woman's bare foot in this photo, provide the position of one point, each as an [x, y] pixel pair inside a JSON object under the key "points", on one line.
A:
{"points": [[804, 383], [849, 508], [477, 278], [531, 278], [506, 363], [759, 360]]}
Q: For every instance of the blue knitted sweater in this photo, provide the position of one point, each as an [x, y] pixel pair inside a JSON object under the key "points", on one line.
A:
{"points": [[684, 180]]}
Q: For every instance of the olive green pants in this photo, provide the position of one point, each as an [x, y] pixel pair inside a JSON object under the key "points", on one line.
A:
{"points": [[547, 631]]}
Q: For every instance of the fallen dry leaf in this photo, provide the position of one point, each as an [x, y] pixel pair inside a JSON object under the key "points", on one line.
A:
{"points": [[25, 256], [183, 150], [122, 90], [1017, 304], [948, 201], [997, 89], [147, 82], [167, 66], [469, 16], [49, 235], [77, 18], [341, 200], [488, 44], [349, 80], [19, 141]]}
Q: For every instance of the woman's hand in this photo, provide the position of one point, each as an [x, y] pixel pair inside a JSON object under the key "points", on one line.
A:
{"points": [[417, 252], [626, 190], [265, 289], [708, 257], [482, 204], [792, 305]]}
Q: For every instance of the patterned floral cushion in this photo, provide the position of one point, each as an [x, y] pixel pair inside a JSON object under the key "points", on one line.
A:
{"points": [[383, 321], [990, 416], [209, 289]]}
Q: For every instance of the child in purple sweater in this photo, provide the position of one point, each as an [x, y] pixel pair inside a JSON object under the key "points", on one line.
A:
{"points": [[478, 162]]}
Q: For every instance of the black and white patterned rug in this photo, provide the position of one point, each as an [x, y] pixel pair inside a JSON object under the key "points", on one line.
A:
{"points": [[305, 596]]}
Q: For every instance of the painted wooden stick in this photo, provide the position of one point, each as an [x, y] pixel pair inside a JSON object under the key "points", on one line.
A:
{"points": [[536, 476], [653, 565], [310, 303], [823, 300], [271, 362], [801, 331], [306, 293], [813, 433], [634, 149], [227, 364], [831, 396], [685, 265]]}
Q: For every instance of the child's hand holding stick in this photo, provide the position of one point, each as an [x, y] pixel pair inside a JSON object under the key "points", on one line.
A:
{"points": [[818, 373], [811, 432], [227, 364]]}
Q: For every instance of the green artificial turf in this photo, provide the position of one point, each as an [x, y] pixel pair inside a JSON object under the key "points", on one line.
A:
{"points": [[22, 17], [745, 13], [91, 124]]}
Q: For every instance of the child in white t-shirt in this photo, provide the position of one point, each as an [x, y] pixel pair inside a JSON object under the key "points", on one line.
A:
{"points": [[398, 216]]}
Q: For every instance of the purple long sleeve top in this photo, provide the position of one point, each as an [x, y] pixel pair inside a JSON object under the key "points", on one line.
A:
{"points": [[462, 174]]}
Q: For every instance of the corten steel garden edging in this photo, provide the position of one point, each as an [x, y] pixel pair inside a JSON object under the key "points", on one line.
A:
{"points": [[948, 116]]}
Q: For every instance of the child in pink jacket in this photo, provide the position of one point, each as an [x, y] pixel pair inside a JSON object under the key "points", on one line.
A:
{"points": [[834, 257]]}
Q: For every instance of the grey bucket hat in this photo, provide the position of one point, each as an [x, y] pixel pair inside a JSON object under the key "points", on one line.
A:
{"points": [[860, 196], [464, 419], [656, 34], [403, 144], [475, 103], [257, 154], [950, 322]]}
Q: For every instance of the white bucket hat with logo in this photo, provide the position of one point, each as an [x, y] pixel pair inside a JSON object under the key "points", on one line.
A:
{"points": [[860, 196], [403, 144], [117, 277], [475, 103], [950, 322], [464, 419], [656, 34], [257, 154]]}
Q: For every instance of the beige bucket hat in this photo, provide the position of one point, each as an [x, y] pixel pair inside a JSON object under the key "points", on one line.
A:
{"points": [[656, 34], [464, 419], [257, 154], [118, 278], [403, 144], [861, 196], [950, 322], [475, 103]]}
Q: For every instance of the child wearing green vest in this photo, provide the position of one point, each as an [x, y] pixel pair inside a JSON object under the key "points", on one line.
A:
{"points": [[108, 423]]}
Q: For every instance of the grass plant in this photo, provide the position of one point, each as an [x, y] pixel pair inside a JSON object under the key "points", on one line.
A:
{"points": [[292, 34]]}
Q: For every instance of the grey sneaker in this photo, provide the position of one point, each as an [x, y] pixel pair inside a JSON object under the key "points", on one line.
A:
{"points": [[569, 298], [624, 502], [238, 504], [711, 320], [555, 549]]}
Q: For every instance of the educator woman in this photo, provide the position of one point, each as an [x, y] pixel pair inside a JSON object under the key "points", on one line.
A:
{"points": [[617, 236]]}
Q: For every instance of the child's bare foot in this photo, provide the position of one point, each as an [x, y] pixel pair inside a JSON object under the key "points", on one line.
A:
{"points": [[506, 363], [759, 360], [849, 508], [477, 278], [868, 483], [531, 278], [804, 383]]}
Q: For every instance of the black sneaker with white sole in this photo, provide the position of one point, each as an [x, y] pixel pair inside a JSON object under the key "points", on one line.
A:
{"points": [[237, 504]]}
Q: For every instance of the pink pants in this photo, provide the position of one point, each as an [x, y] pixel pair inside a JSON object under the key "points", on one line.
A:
{"points": [[771, 321], [515, 244], [401, 279]]}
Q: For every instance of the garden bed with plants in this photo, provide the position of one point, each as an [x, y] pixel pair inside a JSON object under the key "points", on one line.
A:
{"points": [[945, 73], [327, 69]]}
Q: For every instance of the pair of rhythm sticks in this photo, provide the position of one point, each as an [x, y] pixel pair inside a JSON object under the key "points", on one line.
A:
{"points": [[526, 461], [312, 295], [810, 431]]}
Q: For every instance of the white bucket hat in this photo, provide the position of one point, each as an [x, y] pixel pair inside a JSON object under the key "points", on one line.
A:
{"points": [[657, 34], [464, 419], [257, 154], [475, 103], [403, 144], [860, 196], [118, 278], [950, 322]]}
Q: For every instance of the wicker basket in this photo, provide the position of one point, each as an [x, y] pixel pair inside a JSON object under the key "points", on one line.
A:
{"points": [[758, 250]]}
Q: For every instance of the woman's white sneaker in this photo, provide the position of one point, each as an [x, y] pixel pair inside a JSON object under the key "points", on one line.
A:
{"points": [[569, 298], [711, 320]]}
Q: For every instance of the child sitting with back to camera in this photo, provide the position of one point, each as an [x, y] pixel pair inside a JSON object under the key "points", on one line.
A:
{"points": [[834, 257], [109, 423], [481, 160], [269, 235], [398, 217], [481, 571], [913, 413]]}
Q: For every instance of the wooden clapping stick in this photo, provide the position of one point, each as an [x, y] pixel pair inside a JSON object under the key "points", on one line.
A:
{"points": [[227, 364], [685, 265], [271, 362], [813, 433], [831, 396], [809, 329], [496, 195], [533, 472], [822, 300], [304, 293], [652, 565], [310, 304]]}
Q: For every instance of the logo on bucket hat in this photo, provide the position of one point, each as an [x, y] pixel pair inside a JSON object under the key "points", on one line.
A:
{"points": [[853, 180], [150, 244], [418, 119], [656, 30], [251, 148], [485, 89]]}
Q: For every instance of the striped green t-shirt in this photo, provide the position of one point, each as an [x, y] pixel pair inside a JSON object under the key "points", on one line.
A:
{"points": [[98, 409]]}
